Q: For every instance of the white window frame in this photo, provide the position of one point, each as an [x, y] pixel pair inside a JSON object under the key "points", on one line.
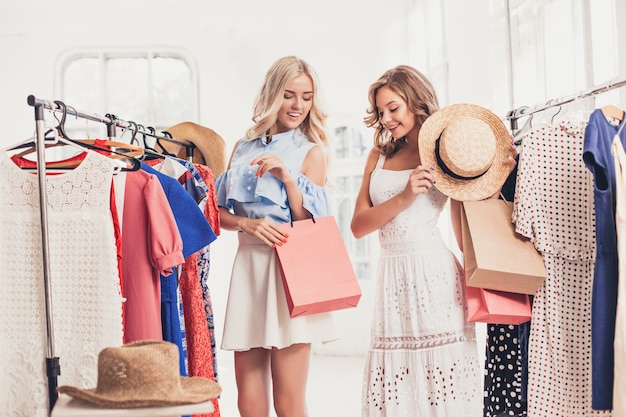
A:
{"points": [[103, 54]]}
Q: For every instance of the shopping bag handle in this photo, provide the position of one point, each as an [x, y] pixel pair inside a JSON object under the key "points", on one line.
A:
{"points": [[291, 217]]}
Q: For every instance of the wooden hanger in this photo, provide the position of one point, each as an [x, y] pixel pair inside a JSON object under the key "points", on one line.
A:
{"points": [[614, 112], [118, 149]]}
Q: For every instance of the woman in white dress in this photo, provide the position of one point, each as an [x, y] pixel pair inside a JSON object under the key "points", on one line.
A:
{"points": [[423, 358]]}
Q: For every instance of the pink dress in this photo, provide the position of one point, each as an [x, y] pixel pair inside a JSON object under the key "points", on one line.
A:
{"points": [[151, 245]]}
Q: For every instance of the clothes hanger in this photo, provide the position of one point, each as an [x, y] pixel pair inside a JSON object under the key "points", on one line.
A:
{"points": [[611, 111], [120, 149], [555, 114], [134, 129], [164, 150], [60, 138], [517, 136], [150, 152]]}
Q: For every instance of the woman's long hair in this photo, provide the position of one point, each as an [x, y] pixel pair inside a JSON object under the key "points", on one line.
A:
{"points": [[416, 91], [270, 98]]}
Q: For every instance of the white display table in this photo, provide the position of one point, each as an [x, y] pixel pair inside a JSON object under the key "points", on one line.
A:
{"points": [[67, 406]]}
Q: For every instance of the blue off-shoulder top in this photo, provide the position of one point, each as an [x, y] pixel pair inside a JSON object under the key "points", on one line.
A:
{"points": [[245, 194]]}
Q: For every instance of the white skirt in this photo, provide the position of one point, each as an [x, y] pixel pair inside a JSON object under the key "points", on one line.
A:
{"points": [[256, 312]]}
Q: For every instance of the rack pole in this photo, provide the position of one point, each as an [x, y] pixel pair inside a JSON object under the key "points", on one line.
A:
{"points": [[525, 111], [53, 369]]}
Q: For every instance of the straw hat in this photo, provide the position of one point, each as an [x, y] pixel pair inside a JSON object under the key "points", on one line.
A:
{"points": [[209, 146], [143, 374], [468, 147]]}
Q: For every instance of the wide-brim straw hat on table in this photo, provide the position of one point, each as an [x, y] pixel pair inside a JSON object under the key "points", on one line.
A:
{"points": [[143, 374], [468, 146]]}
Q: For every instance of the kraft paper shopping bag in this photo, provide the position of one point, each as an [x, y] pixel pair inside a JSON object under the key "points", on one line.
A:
{"points": [[494, 255], [497, 307], [316, 269]]}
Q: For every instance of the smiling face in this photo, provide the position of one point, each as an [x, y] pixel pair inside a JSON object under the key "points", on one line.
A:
{"points": [[297, 103], [393, 113]]}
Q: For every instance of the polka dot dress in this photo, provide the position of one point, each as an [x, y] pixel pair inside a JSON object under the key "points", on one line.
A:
{"points": [[505, 365], [554, 208]]}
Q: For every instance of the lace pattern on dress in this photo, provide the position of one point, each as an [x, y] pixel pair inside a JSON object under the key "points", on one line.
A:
{"points": [[423, 360], [423, 342], [84, 280]]}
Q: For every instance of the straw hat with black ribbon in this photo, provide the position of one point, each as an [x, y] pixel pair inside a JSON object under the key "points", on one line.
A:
{"points": [[468, 146], [143, 374]]}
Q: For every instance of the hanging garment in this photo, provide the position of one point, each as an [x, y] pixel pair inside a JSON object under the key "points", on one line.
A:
{"points": [[198, 234], [506, 355], [423, 358], [151, 246], [195, 233], [619, 378], [505, 370], [554, 208], [211, 213], [597, 157], [84, 281]]}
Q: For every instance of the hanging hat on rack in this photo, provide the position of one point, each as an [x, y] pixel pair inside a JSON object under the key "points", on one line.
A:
{"points": [[143, 374], [209, 147], [468, 147]]}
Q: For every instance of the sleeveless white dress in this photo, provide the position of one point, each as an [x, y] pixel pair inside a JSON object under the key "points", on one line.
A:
{"points": [[423, 357], [84, 280]]}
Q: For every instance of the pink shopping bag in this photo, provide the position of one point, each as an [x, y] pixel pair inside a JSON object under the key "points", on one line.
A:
{"points": [[317, 272], [497, 307]]}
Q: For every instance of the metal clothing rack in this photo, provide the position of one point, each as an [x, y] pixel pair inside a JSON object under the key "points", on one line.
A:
{"points": [[112, 122], [53, 369], [514, 115]]}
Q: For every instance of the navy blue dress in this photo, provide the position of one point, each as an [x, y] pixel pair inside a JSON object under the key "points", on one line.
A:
{"points": [[597, 156]]}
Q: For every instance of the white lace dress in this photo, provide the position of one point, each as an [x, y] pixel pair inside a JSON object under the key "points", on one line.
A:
{"points": [[85, 294], [423, 358]]}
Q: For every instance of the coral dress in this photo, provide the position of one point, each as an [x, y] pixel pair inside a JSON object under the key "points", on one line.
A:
{"points": [[423, 358]]}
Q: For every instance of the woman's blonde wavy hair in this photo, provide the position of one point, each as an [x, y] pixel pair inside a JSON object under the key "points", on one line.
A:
{"points": [[270, 98], [416, 91]]}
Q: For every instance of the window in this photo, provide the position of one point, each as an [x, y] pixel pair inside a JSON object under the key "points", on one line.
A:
{"points": [[155, 88], [349, 155], [426, 32], [561, 47]]}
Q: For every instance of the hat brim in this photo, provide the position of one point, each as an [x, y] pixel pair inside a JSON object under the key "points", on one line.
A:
{"points": [[209, 150], [194, 390], [459, 189]]}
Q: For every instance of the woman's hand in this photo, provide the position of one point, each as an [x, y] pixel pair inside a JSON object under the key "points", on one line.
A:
{"points": [[272, 164], [267, 232], [420, 181]]}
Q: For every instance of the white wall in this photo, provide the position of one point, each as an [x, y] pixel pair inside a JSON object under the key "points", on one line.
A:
{"points": [[350, 43], [233, 43]]}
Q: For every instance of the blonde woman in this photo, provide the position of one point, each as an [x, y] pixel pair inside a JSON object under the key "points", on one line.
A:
{"points": [[276, 173]]}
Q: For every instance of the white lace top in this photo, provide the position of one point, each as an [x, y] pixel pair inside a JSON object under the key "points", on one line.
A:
{"points": [[84, 280]]}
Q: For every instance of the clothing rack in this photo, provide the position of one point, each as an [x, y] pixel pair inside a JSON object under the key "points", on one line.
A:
{"points": [[53, 369], [112, 122], [514, 115]]}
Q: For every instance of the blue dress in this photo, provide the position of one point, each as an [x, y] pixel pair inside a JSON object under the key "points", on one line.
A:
{"points": [[597, 157], [196, 233]]}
